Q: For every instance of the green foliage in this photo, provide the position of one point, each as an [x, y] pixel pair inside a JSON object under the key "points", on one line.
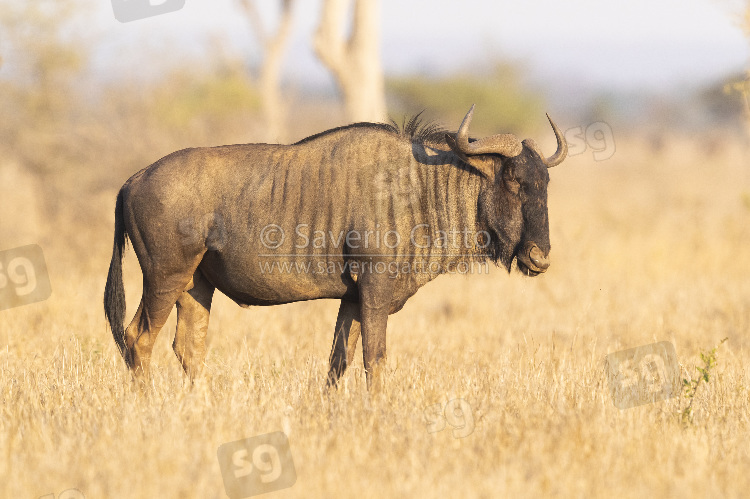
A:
{"points": [[186, 97], [503, 105], [41, 48], [43, 53], [728, 100], [690, 386]]}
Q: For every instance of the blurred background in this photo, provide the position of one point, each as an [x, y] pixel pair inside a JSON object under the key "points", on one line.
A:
{"points": [[86, 100], [649, 224]]}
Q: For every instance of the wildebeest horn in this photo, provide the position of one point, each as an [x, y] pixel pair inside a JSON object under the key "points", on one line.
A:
{"points": [[562, 147], [505, 143]]}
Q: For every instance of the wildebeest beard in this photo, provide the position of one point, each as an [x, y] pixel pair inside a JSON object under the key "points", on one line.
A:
{"points": [[497, 216]]}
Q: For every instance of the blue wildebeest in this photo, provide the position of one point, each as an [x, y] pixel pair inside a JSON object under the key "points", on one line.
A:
{"points": [[366, 214]]}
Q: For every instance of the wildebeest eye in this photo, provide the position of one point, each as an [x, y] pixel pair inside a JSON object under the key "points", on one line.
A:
{"points": [[511, 182]]}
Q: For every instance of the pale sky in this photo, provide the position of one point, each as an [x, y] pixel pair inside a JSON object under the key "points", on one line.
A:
{"points": [[623, 45]]}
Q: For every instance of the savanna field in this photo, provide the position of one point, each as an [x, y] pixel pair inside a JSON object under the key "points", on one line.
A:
{"points": [[650, 245]]}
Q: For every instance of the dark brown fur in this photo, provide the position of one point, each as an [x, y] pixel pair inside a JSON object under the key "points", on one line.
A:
{"points": [[197, 217]]}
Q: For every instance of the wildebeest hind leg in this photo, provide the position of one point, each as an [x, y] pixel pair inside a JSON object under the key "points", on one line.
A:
{"points": [[193, 309], [156, 304], [345, 339]]}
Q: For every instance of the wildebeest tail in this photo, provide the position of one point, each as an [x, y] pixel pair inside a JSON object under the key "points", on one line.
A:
{"points": [[114, 292]]}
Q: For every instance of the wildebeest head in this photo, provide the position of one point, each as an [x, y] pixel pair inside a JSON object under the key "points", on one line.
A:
{"points": [[513, 197]]}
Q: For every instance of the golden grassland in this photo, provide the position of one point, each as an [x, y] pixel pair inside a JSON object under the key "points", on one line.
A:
{"points": [[647, 246]]}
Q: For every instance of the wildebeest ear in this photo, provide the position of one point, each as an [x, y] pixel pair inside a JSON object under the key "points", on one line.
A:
{"points": [[485, 165]]}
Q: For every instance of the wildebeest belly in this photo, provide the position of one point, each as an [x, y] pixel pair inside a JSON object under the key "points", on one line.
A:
{"points": [[253, 279]]}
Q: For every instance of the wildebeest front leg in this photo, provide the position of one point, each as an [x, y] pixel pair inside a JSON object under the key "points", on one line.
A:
{"points": [[345, 339], [193, 309], [375, 304]]}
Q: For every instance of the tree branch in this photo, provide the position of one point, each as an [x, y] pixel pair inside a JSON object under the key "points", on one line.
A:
{"points": [[273, 45], [330, 44], [256, 23]]}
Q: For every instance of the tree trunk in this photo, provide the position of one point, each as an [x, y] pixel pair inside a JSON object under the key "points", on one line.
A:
{"points": [[269, 75], [354, 62]]}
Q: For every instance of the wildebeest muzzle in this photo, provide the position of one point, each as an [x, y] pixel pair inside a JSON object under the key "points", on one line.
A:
{"points": [[531, 259]]}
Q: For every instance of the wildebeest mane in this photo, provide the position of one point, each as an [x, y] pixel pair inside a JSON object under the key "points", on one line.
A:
{"points": [[415, 130], [418, 130]]}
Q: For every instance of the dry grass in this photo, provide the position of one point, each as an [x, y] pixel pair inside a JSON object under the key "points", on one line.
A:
{"points": [[646, 247]]}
